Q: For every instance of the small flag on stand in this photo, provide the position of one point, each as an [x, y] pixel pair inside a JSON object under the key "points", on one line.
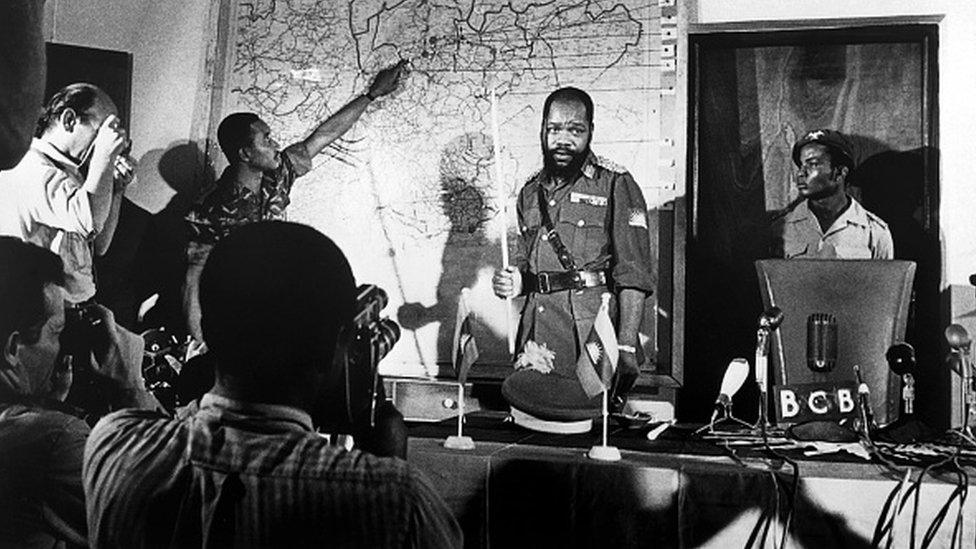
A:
{"points": [[465, 354], [598, 361], [465, 346], [595, 368]]}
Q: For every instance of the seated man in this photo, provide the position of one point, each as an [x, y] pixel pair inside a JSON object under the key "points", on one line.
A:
{"points": [[248, 468], [41, 443]]}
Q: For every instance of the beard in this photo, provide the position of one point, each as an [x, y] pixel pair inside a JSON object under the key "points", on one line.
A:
{"points": [[567, 170]]}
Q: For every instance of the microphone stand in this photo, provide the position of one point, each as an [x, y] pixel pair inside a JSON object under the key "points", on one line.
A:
{"points": [[967, 397], [762, 377]]}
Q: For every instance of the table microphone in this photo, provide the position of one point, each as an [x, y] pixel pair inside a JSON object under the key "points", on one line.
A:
{"points": [[821, 342], [901, 360], [769, 320], [960, 342], [735, 375]]}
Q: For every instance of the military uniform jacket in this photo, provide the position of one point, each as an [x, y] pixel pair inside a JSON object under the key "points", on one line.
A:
{"points": [[856, 234], [602, 220]]}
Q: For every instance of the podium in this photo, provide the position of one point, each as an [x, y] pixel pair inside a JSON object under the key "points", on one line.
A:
{"points": [[869, 299]]}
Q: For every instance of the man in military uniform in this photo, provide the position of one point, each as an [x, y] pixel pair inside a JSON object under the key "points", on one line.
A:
{"points": [[583, 224], [828, 223]]}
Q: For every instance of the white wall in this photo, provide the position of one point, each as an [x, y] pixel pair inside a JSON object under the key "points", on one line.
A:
{"points": [[957, 80], [167, 40]]}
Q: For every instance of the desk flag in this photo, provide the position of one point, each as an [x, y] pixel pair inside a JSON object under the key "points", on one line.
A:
{"points": [[598, 361], [465, 347]]}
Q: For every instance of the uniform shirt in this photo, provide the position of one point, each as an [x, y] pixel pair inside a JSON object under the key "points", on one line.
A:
{"points": [[44, 202], [42, 502], [856, 234], [249, 475], [601, 217]]}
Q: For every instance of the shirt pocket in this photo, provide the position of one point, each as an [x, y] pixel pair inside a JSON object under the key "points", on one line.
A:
{"points": [[587, 223], [794, 249]]}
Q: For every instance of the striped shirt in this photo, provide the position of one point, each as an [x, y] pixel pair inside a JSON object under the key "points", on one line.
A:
{"points": [[250, 475]]}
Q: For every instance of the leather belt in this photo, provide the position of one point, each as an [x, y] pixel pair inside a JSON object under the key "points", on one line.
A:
{"points": [[548, 282]]}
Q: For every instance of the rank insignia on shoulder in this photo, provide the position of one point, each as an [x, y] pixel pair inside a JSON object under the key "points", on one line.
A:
{"points": [[637, 217], [592, 200], [608, 164]]}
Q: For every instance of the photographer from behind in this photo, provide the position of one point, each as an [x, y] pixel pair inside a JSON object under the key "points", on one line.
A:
{"points": [[246, 467], [41, 439]]}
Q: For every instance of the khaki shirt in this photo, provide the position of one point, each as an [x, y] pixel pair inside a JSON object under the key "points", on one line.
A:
{"points": [[856, 234]]}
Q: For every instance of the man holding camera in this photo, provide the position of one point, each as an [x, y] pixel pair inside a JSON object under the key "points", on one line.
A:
{"points": [[247, 467], [41, 440], [51, 200], [256, 185]]}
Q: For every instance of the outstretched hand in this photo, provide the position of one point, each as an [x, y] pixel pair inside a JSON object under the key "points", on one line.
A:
{"points": [[387, 80]]}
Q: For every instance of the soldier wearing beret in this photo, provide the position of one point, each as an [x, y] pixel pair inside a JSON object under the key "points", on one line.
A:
{"points": [[827, 223], [583, 225]]}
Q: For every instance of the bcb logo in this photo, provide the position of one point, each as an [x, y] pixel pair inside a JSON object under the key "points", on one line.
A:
{"points": [[815, 401]]}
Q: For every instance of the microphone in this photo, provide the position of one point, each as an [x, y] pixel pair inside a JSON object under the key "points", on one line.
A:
{"points": [[771, 318], [960, 342], [864, 404], [958, 338], [821, 342], [901, 360], [735, 375]]}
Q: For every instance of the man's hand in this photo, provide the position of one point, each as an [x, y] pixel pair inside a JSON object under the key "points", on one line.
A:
{"points": [[115, 353], [507, 282], [387, 80], [109, 142]]}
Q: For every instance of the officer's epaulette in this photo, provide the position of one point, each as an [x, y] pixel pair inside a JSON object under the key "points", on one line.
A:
{"points": [[874, 217], [608, 164]]}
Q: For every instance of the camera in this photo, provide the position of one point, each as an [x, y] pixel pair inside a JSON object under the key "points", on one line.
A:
{"points": [[373, 336], [83, 333]]}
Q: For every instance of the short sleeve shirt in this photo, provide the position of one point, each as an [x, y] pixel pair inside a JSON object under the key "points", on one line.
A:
{"points": [[231, 205], [856, 234]]}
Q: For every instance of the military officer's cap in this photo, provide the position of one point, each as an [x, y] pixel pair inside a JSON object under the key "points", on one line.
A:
{"points": [[830, 138]]}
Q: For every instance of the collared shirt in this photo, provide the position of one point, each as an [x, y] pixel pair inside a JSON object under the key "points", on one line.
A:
{"points": [[601, 217], [855, 234], [44, 202], [250, 475], [42, 503]]}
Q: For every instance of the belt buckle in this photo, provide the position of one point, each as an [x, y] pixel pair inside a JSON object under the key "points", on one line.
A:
{"points": [[579, 282], [542, 281]]}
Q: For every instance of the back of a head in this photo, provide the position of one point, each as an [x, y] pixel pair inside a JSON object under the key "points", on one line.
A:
{"points": [[79, 97], [274, 296], [25, 269], [234, 133]]}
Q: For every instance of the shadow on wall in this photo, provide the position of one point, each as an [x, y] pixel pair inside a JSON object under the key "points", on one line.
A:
{"points": [[147, 253]]}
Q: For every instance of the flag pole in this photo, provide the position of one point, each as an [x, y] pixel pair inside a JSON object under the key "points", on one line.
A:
{"points": [[460, 409], [459, 441], [503, 200], [605, 452]]}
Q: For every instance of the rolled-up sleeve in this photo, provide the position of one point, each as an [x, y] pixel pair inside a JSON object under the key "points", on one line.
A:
{"points": [[631, 262]]}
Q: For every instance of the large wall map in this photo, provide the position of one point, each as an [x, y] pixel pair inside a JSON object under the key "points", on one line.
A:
{"points": [[409, 193]]}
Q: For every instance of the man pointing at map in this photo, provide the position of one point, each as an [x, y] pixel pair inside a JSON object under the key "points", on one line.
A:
{"points": [[256, 184]]}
